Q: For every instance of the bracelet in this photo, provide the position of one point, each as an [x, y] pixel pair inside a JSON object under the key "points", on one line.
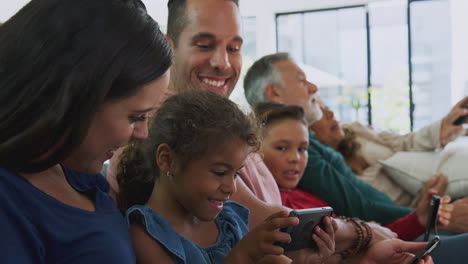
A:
{"points": [[360, 237], [368, 239]]}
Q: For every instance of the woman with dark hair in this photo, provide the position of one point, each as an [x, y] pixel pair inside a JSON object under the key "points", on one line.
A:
{"points": [[78, 79]]}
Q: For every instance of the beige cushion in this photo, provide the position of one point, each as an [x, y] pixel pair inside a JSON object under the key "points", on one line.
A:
{"points": [[412, 169]]}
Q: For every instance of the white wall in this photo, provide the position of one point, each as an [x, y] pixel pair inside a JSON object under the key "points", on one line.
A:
{"points": [[265, 10], [459, 49], [10, 7]]}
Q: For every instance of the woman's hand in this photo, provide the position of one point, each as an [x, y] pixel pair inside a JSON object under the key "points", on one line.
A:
{"points": [[448, 131]]}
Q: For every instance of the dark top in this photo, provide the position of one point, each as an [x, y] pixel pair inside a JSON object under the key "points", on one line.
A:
{"points": [[37, 228]]}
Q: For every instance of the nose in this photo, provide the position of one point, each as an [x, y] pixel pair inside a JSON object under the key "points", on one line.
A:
{"points": [[229, 185], [140, 130], [312, 88], [329, 113], [293, 156], [220, 59]]}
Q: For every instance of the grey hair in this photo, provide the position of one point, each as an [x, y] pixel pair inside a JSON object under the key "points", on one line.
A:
{"points": [[262, 73]]}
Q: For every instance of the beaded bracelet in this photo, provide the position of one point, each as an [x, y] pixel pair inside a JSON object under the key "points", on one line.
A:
{"points": [[360, 237], [368, 239]]}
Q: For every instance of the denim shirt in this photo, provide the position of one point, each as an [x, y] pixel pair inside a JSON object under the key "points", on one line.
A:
{"points": [[232, 223]]}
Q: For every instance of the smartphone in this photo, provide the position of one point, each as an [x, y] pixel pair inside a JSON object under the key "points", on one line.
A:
{"points": [[432, 216], [426, 250], [301, 234], [461, 120]]}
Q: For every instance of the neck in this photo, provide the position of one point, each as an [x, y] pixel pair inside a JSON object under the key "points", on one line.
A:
{"points": [[162, 201], [334, 145], [285, 189]]}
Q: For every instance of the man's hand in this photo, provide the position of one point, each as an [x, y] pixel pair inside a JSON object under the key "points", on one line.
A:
{"points": [[436, 185], [459, 218], [380, 233], [392, 251]]}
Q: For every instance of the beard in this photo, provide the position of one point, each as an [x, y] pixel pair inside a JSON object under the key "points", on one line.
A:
{"points": [[313, 113]]}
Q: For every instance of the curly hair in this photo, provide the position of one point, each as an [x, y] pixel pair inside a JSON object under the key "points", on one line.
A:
{"points": [[191, 123], [349, 147]]}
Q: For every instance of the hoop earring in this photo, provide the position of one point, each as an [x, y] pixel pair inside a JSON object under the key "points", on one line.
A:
{"points": [[170, 176]]}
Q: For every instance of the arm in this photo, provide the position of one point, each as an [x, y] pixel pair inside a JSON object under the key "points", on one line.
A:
{"points": [[345, 235], [147, 250], [391, 251], [328, 177], [411, 226], [435, 135], [259, 210]]}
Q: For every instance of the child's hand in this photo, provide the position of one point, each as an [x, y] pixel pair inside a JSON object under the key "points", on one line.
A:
{"points": [[325, 240], [259, 241]]}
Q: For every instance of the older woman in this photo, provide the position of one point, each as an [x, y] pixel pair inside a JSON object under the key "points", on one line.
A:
{"points": [[362, 147]]}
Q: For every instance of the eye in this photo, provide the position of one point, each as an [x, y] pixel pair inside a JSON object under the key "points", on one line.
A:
{"points": [[219, 173], [203, 46], [234, 49], [140, 118], [281, 148], [302, 149], [237, 174]]}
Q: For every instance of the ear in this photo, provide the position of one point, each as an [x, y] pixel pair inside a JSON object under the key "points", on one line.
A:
{"points": [[164, 157], [273, 93], [171, 42]]}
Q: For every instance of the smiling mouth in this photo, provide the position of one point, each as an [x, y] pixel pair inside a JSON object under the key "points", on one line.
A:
{"points": [[216, 204], [213, 82]]}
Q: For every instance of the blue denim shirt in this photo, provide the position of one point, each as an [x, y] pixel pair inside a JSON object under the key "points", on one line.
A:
{"points": [[232, 223]]}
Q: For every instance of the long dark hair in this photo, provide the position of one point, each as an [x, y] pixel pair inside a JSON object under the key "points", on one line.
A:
{"points": [[190, 123], [60, 61]]}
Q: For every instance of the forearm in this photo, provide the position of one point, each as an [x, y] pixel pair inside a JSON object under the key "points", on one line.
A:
{"points": [[345, 236], [259, 210]]}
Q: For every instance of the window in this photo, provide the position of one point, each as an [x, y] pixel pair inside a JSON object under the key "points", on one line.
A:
{"points": [[390, 61]]}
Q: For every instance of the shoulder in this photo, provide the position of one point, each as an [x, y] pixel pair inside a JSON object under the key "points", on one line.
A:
{"points": [[233, 208], [147, 225], [234, 218], [84, 182], [147, 249]]}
